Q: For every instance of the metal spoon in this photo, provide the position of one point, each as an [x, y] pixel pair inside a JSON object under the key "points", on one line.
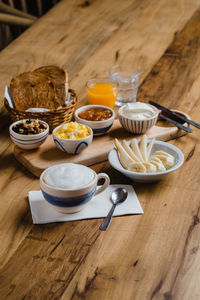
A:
{"points": [[118, 196]]}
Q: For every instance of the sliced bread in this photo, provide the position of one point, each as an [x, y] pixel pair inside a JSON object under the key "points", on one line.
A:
{"points": [[45, 87]]}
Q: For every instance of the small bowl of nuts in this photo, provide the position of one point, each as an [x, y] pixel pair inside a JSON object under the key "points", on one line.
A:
{"points": [[29, 133]]}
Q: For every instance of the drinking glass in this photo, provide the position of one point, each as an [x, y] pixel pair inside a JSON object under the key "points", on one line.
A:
{"points": [[128, 79], [102, 91]]}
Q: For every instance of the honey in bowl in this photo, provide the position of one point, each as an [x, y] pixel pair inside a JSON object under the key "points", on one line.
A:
{"points": [[95, 114], [102, 92]]}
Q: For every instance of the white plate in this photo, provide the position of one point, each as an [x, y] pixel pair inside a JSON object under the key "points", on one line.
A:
{"points": [[149, 177]]}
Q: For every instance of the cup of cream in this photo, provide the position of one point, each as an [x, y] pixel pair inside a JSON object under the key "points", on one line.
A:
{"points": [[69, 187], [138, 117]]}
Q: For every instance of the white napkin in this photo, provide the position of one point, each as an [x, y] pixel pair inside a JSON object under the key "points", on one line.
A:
{"points": [[98, 207], [8, 96], [36, 109]]}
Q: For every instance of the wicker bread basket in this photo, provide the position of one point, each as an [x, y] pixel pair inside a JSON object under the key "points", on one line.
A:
{"points": [[52, 117]]}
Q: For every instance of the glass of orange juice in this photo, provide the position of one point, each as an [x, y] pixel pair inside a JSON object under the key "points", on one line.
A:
{"points": [[102, 91]]}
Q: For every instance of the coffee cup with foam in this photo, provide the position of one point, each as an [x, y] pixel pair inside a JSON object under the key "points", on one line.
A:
{"points": [[69, 187]]}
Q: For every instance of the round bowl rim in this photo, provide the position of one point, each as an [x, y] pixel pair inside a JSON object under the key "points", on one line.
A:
{"points": [[175, 167], [151, 118], [103, 80], [82, 108], [71, 140], [63, 189], [127, 67], [37, 135]]}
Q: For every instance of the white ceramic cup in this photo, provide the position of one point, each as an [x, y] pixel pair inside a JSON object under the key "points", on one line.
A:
{"points": [[71, 200]]}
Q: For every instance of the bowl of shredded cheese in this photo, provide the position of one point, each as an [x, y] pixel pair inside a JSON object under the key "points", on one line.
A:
{"points": [[72, 137]]}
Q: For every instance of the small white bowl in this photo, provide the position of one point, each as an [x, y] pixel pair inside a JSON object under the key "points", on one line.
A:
{"points": [[149, 177], [72, 146], [98, 127], [28, 141], [138, 126]]}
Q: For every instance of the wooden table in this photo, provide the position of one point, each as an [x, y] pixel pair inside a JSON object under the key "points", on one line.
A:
{"points": [[151, 256]]}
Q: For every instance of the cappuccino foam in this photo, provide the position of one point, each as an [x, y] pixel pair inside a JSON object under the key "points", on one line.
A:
{"points": [[68, 176]]}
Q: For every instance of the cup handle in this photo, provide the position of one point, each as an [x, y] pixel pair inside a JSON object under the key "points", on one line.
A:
{"points": [[105, 184]]}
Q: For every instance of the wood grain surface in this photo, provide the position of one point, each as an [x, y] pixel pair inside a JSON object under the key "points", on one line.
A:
{"points": [[153, 256]]}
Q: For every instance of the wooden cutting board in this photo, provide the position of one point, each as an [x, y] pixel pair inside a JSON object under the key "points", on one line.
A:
{"points": [[37, 160]]}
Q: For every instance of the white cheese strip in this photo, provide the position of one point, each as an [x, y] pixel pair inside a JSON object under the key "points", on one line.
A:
{"points": [[130, 151], [136, 150], [143, 147], [124, 158]]}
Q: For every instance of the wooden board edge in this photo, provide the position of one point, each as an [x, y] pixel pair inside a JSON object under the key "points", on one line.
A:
{"points": [[35, 171]]}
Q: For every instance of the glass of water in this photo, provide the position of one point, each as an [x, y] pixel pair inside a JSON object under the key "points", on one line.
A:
{"points": [[128, 80]]}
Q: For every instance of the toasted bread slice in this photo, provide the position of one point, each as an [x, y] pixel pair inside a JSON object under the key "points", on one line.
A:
{"points": [[45, 87]]}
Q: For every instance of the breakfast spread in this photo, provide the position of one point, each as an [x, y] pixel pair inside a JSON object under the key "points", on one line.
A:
{"points": [[138, 111], [45, 87], [72, 130], [95, 114], [28, 127], [137, 157]]}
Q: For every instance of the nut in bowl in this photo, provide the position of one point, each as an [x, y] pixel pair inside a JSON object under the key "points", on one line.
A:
{"points": [[145, 160], [98, 117], [138, 117], [29, 134], [72, 137], [68, 187]]}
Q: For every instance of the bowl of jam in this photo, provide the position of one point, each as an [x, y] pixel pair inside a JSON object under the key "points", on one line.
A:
{"points": [[98, 117]]}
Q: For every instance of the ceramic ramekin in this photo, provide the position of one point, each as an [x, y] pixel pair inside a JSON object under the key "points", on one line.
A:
{"points": [[28, 141], [72, 200], [72, 146], [137, 126], [98, 127]]}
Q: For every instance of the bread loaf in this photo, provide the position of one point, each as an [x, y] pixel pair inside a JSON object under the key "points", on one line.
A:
{"points": [[45, 87]]}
